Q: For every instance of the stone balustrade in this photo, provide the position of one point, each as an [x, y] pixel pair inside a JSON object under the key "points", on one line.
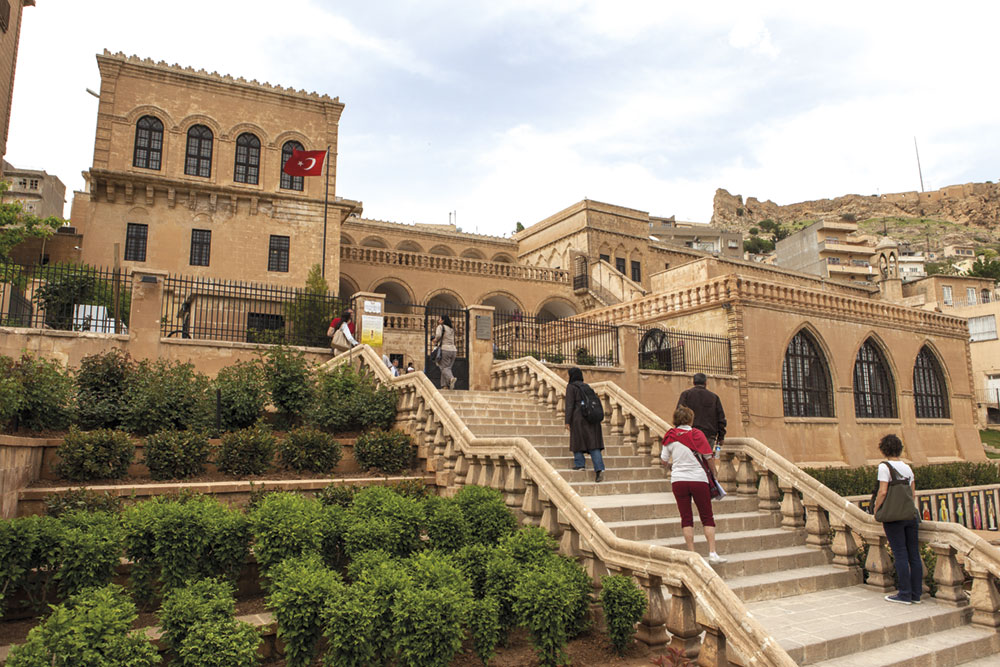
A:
{"points": [[452, 264]]}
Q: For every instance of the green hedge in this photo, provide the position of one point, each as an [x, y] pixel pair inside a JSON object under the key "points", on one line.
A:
{"points": [[348, 399], [309, 449], [247, 452], [102, 454], [101, 383], [165, 395], [38, 394], [861, 481], [176, 454], [389, 452], [242, 394]]}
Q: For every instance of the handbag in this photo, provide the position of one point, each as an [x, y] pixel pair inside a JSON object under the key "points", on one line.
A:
{"points": [[715, 490], [436, 354], [898, 504], [340, 342]]}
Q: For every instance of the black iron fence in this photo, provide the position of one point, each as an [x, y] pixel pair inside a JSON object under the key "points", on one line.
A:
{"points": [[683, 351], [555, 341], [67, 297], [236, 311]]}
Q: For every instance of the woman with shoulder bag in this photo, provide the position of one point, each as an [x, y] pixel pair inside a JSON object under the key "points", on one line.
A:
{"points": [[343, 340], [444, 338], [895, 508]]}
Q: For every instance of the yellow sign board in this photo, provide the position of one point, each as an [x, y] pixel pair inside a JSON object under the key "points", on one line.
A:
{"points": [[371, 330]]}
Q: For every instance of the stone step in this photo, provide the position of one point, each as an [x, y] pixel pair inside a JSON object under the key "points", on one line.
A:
{"points": [[793, 582], [529, 432], [957, 646], [560, 447], [839, 626], [738, 542], [752, 563], [657, 506], [512, 420], [655, 529], [615, 488], [612, 473], [566, 462]]}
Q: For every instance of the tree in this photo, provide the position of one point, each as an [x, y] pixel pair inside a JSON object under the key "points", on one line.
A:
{"points": [[758, 245], [519, 228], [985, 268], [310, 312], [16, 225]]}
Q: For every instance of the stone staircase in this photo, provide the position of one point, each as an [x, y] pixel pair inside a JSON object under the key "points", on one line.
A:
{"points": [[820, 613]]}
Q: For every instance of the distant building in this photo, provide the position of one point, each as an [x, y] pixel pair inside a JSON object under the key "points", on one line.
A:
{"points": [[912, 264], [41, 193], [828, 249], [10, 34], [697, 236], [959, 251]]}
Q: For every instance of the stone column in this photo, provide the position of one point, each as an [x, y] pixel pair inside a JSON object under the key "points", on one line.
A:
{"points": [[145, 313], [628, 351], [369, 314], [480, 349]]}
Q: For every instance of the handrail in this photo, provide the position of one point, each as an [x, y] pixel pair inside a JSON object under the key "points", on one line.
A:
{"points": [[674, 567]]}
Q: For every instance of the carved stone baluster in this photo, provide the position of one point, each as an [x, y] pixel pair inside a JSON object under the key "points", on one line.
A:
{"points": [[436, 460], [419, 421], [681, 621], [652, 630], [514, 486], [879, 565], [530, 504], [569, 542], [550, 518], [644, 442], [630, 430], [845, 548], [985, 599], [713, 648], [444, 476], [727, 471], [617, 419], [593, 565], [551, 400], [472, 475], [948, 576], [792, 513], [768, 495], [485, 468], [746, 477], [497, 478], [817, 526]]}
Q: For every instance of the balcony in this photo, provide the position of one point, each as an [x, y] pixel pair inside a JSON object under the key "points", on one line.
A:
{"points": [[448, 264], [852, 248], [849, 268]]}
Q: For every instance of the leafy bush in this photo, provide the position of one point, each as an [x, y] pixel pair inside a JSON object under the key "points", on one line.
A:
{"points": [[247, 452], [531, 546], [391, 452], [447, 528], [351, 631], [57, 504], [90, 630], [578, 582], [101, 383], [624, 604], [86, 455], [862, 480], [301, 588], [172, 541], [46, 393], [228, 643], [472, 560], [242, 394], [489, 518], [428, 625], [90, 548], [176, 454], [544, 604], [501, 578], [10, 393], [348, 399], [288, 525], [380, 518], [412, 488], [585, 358], [289, 381], [367, 561], [200, 601], [29, 555], [484, 625], [165, 395], [309, 449], [334, 494], [384, 582]]}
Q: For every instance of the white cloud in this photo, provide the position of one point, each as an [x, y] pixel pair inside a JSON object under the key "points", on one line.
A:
{"points": [[753, 36]]}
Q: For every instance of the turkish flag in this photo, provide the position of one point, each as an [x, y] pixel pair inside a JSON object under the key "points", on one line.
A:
{"points": [[305, 163]]}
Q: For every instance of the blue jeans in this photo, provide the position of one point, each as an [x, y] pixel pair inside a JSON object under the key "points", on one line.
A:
{"points": [[902, 536], [595, 455]]}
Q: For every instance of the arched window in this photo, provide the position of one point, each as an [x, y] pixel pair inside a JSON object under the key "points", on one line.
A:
{"points": [[930, 393], [805, 379], [290, 182], [874, 390], [247, 159], [148, 143], [198, 159]]}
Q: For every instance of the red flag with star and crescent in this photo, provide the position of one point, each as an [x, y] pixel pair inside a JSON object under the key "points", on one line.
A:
{"points": [[305, 163]]}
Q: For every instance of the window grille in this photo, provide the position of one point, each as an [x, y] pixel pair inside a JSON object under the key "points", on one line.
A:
{"points": [[290, 182], [198, 159], [874, 391], [201, 247], [805, 379], [636, 271], [247, 159], [135, 242], [148, 149], [277, 255], [929, 390]]}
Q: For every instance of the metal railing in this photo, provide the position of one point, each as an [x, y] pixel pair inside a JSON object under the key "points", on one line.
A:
{"points": [[554, 341], [65, 297], [243, 312], [581, 281], [684, 351]]}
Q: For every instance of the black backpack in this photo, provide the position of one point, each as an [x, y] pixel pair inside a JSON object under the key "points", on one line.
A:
{"points": [[590, 404]]}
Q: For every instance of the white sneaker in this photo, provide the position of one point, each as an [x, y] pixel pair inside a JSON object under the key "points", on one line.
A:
{"points": [[452, 382], [716, 559]]}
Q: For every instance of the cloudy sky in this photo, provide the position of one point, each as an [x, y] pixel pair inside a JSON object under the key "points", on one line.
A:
{"points": [[510, 111]]}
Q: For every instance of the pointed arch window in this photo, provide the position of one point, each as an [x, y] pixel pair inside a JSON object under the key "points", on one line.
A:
{"points": [[805, 379], [874, 389], [290, 182], [148, 150], [247, 168], [198, 158], [930, 392]]}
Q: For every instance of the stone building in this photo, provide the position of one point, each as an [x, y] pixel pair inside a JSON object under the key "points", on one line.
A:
{"points": [[697, 236], [828, 248], [40, 193], [10, 36]]}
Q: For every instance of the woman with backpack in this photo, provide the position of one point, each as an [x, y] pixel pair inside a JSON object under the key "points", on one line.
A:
{"points": [[683, 446], [584, 435], [899, 518]]}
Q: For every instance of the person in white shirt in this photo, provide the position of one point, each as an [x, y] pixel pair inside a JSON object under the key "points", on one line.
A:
{"points": [[902, 535]]}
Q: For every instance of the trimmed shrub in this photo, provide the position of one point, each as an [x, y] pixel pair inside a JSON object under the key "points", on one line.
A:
{"points": [[339, 495], [624, 604], [862, 480], [390, 452], [384, 583], [165, 395], [242, 393], [352, 628], [544, 604], [90, 548], [10, 393], [90, 630], [412, 488], [228, 643], [289, 381], [201, 601], [348, 399], [29, 554], [57, 504], [87, 455], [484, 626], [447, 528], [101, 383], [301, 589], [489, 518], [172, 541], [288, 525], [581, 587], [428, 625], [502, 575], [367, 561], [176, 454], [472, 560], [47, 393], [380, 518], [247, 452], [531, 546], [309, 449]]}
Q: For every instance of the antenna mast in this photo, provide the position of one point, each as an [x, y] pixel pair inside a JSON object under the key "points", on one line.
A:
{"points": [[919, 171]]}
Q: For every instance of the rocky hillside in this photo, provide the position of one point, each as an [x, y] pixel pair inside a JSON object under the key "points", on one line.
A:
{"points": [[967, 213]]}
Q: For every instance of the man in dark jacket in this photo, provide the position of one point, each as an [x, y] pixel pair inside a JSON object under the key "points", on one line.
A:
{"points": [[709, 417]]}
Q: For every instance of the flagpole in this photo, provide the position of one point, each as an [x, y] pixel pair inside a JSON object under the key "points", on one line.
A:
{"points": [[326, 206]]}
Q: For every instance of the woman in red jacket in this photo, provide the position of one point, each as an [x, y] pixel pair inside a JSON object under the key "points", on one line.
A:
{"points": [[682, 445]]}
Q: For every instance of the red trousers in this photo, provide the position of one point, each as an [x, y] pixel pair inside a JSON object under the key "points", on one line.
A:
{"points": [[684, 492]]}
